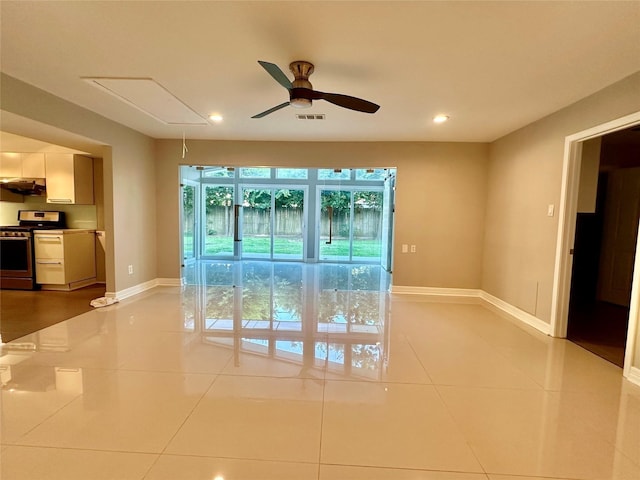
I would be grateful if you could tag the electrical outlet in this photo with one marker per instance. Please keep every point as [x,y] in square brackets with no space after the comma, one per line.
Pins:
[413,249]
[130,269]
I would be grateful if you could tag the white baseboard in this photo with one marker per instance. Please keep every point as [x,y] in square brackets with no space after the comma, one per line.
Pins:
[435,291]
[517,313]
[143,287]
[634,375]
[507,308]
[136,289]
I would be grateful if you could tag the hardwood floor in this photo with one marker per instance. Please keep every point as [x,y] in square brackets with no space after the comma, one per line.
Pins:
[26,311]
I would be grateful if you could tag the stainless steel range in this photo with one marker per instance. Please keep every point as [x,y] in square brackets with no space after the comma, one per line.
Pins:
[17,256]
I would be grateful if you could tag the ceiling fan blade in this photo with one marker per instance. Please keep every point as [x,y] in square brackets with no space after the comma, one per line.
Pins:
[271,110]
[278,75]
[346,101]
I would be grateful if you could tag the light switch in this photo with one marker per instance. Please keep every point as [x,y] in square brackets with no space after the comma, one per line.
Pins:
[405,248]
[550,210]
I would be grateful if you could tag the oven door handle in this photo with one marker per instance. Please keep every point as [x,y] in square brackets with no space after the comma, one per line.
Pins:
[15,238]
[41,262]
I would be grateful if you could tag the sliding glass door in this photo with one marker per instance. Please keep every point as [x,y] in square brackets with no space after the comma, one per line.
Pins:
[263,213]
[189,222]
[350,224]
[388,201]
[218,231]
[256,229]
[335,225]
[272,224]
[367,226]
[288,223]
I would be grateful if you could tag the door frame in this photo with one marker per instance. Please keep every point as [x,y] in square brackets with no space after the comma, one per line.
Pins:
[273,187]
[351,189]
[196,219]
[566,236]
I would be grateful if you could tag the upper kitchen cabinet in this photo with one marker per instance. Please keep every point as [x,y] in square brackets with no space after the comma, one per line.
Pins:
[33,165]
[69,178]
[10,165]
[22,165]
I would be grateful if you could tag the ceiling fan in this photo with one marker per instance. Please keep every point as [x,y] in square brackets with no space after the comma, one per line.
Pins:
[301,92]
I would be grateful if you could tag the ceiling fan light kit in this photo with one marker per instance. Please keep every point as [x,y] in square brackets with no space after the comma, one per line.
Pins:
[301,93]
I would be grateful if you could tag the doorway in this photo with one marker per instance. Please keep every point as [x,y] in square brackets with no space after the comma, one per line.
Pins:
[606,235]
[273,223]
[190,191]
[350,227]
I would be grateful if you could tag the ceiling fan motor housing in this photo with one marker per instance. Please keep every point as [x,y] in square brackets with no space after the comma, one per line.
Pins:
[301,71]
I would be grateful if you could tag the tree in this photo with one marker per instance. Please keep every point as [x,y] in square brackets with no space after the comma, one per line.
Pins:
[286,198]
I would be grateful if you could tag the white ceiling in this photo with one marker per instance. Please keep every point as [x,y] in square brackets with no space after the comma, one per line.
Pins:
[10,142]
[492,66]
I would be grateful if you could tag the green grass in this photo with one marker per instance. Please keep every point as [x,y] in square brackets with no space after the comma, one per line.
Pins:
[287,246]
[361,248]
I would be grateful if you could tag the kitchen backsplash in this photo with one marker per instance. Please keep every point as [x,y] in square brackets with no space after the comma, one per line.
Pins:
[78,216]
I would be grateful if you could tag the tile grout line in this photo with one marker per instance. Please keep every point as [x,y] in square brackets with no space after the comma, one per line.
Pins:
[459,428]
[73,400]
[324,390]
[418,358]
[188,416]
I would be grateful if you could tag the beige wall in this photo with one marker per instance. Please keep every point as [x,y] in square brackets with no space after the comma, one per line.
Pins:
[77,216]
[524,177]
[440,198]
[477,212]
[128,211]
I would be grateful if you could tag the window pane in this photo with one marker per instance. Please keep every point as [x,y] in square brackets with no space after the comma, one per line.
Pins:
[218,172]
[370,174]
[218,231]
[291,173]
[330,174]
[255,172]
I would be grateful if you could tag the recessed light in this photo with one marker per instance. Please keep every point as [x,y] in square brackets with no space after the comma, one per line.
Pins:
[440,118]
[214,117]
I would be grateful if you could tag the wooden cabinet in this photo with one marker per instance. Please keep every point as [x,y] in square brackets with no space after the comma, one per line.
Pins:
[22,165]
[69,178]
[10,165]
[65,259]
[33,165]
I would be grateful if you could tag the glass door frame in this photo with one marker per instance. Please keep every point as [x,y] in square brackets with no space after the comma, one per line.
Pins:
[314,182]
[196,253]
[273,188]
[388,222]
[351,189]
[332,187]
[233,255]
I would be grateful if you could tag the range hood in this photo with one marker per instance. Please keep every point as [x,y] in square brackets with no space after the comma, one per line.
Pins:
[24,186]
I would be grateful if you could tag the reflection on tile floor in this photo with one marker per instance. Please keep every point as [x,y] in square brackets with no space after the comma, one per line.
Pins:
[258,370]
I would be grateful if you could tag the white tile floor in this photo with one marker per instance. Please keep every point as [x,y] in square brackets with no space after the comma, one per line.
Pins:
[284,371]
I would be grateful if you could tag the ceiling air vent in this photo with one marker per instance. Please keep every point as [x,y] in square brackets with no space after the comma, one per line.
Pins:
[310,116]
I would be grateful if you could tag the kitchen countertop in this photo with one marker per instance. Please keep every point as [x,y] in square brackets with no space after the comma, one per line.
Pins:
[64,231]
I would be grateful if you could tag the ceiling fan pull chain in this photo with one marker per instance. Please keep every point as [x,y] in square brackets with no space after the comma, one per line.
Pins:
[185,150]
